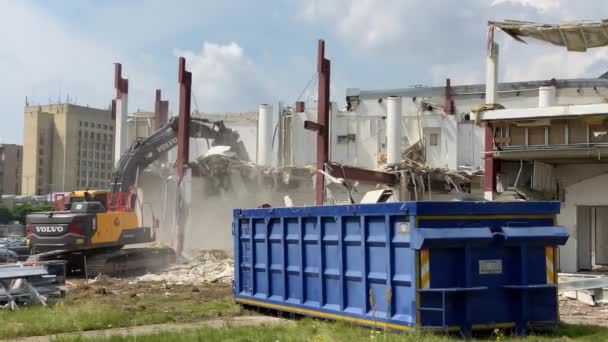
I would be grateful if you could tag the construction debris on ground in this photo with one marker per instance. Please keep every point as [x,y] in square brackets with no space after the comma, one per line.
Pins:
[39,284]
[203,267]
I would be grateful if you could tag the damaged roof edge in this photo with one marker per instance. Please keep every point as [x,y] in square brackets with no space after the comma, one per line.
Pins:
[474,89]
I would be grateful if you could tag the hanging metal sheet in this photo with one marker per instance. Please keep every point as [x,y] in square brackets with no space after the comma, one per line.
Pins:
[575,36]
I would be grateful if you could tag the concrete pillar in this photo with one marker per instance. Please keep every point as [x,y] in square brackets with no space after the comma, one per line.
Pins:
[547,96]
[492,74]
[265,135]
[393,130]
[489,178]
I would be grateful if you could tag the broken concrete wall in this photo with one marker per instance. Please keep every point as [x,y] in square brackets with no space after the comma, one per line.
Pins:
[426,113]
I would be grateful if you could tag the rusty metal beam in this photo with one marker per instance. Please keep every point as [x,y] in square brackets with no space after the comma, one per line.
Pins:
[183,122]
[490,165]
[448,107]
[161,110]
[120,84]
[362,175]
[183,151]
[324,70]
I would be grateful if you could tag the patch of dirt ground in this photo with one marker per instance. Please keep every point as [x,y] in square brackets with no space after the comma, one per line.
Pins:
[575,312]
[115,290]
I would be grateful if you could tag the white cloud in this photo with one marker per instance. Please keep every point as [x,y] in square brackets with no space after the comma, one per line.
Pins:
[541,5]
[224,78]
[368,23]
[41,63]
[44,59]
[448,38]
[555,63]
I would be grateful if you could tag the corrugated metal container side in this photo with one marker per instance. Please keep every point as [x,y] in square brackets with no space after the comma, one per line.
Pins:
[434,265]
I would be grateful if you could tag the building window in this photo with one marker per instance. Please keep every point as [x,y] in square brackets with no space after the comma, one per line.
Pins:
[98,125]
[434,139]
[92,136]
[97,146]
[98,136]
[96,155]
[86,124]
[40,152]
[90,154]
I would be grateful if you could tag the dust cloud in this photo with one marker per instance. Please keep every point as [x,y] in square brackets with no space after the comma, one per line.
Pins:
[209,223]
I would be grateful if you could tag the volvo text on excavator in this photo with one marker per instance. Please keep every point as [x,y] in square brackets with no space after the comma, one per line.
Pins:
[91,228]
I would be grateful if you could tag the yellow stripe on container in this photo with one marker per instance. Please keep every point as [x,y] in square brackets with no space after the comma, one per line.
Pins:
[550,264]
[425,275]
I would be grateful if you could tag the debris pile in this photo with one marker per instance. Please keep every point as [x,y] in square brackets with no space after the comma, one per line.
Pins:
[204,267]
[576,312]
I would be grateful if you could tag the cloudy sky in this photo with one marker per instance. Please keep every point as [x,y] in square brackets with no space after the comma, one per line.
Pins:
[243,53]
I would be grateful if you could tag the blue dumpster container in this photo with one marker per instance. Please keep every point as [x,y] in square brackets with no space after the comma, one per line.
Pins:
[433,265]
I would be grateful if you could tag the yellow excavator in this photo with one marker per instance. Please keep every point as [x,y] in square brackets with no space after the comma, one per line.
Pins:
[90,227]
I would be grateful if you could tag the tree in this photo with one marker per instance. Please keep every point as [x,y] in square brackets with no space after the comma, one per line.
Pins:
[5,215]
[20,212]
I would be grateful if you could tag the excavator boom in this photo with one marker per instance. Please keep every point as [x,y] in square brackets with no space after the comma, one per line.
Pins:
[144,152]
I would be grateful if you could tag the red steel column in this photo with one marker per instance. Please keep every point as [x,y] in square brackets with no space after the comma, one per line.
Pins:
[161,111]
[489,175]
[183,122]
[183,149]
[120,112]
[324,69]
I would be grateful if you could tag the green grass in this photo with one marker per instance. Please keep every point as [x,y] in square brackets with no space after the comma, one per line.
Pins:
[103,306]
[71,317]
[321,331]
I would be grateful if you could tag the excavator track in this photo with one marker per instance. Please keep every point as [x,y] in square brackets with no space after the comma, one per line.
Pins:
[112,262]
[129,261]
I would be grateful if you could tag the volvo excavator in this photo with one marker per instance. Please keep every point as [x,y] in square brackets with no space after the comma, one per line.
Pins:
[91,228]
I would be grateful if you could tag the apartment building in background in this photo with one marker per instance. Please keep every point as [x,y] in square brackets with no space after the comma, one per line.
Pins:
[66,147]
[10,169]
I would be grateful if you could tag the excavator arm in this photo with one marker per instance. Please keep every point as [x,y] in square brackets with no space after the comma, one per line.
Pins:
[144,152]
